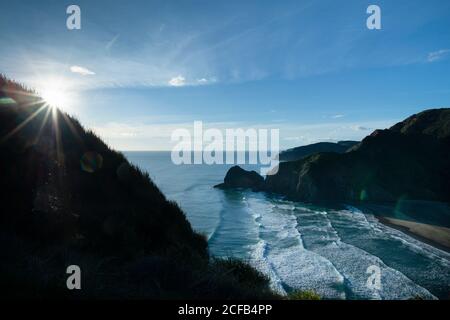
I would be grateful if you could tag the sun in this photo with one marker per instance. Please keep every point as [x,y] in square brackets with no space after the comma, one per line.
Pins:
[55,95]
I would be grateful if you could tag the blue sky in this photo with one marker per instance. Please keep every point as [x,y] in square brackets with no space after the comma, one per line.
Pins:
[137,70]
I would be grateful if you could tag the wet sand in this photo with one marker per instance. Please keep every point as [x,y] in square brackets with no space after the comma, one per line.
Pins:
[438,237]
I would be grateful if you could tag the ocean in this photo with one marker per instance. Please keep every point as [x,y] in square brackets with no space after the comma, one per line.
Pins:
[338,254]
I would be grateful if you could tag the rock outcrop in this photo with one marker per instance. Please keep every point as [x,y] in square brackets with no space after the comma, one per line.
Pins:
[237,177]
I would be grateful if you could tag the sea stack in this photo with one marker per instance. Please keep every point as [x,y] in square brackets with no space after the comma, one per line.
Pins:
[237,177]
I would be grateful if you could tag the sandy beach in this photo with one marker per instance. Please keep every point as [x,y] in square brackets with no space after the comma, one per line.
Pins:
[433,235]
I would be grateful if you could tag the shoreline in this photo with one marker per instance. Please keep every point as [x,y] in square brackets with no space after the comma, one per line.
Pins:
[438,237]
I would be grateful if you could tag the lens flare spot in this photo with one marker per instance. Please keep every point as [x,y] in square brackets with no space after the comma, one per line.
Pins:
[363,196]
[91,162]
[7,101]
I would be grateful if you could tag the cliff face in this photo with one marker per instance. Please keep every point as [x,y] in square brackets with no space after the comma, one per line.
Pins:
[411,159]
[67,198]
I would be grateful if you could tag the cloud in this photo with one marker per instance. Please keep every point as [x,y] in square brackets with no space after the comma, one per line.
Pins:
[178,81]
[437,55]
[81,70]
[202,81]
[112,42]
[232,45]
[337,116]
[360,128]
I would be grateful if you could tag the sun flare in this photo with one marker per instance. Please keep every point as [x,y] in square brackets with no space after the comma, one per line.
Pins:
[55,96]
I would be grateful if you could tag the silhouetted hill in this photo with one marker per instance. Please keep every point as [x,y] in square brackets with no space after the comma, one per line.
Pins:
[298,153]
[411,160]
[434,122]
[67,198]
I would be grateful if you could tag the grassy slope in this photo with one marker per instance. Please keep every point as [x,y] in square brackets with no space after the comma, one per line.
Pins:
[67,198]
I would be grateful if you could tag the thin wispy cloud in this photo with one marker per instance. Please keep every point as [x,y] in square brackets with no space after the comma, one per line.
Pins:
[112,42]
[337,116]
[82,70]
[438,55]
[273,42]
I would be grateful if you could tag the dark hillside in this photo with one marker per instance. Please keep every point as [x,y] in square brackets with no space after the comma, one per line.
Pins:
[67,198]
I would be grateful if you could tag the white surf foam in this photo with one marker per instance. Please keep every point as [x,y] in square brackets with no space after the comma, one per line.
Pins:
[285,258]
[353,262]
